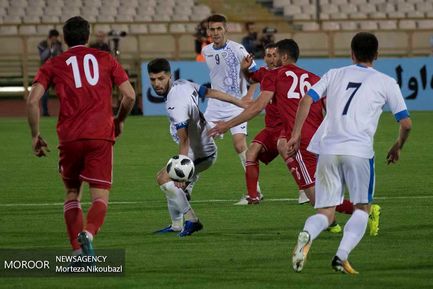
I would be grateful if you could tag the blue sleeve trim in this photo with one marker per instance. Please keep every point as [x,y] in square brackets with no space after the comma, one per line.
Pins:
[314,95]
[401,115]
[253,69]
[202,91]
[181,125]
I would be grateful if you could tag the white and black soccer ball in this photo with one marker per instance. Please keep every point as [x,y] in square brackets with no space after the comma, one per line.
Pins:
[180,168]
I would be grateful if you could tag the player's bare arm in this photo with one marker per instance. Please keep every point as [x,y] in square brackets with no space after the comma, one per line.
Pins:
[301,115]
[216,94]
[40,147]
[251,111]
[126,105]
[250,92]
[245,65]
[394,152]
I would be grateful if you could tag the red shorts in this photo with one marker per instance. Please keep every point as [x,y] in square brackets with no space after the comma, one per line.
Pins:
[90,161]
[303,168]
[268,138]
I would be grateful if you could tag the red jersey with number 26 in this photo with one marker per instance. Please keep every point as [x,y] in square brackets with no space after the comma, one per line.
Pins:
[83,79]
[289,84]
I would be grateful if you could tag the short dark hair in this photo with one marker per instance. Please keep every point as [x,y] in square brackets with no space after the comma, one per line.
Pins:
[364,46]
[270,45]
[158,65]
[76,31]
[53,33]
[217,18]
[289,47]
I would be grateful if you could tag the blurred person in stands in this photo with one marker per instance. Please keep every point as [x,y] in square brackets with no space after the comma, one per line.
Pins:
[268,37]
[201,39]
[101,42]
[251,41]
[47,49]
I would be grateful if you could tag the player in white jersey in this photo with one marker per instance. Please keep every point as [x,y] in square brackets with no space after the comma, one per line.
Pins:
[223,58]
[355,95]
[189,129]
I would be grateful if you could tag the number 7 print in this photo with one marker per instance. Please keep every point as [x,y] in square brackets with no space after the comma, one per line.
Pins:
[356,86]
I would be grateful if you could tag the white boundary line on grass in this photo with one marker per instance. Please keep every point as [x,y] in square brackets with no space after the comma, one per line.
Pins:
[201,201]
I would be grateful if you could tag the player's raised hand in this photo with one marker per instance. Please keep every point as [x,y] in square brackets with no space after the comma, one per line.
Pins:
[180,185]
[293,145]
[40,147]
[393,154]
[219,129]
[247,61]
[118,127]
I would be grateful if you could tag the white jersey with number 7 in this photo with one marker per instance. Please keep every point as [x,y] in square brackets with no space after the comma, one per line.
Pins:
[355,96]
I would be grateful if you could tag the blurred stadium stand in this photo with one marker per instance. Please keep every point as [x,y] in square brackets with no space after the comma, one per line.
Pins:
[165,28]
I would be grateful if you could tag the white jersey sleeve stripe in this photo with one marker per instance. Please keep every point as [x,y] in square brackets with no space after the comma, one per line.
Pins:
[401,115]
[314,95]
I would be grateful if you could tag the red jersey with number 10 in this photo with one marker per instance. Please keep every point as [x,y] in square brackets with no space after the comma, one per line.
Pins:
[83,79]
[289,84]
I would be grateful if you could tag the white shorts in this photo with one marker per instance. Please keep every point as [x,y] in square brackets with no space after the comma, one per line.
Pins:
[202,164]
[212,118]
[335,172]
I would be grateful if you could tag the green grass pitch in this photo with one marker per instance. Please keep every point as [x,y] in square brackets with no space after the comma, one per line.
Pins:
[240,247]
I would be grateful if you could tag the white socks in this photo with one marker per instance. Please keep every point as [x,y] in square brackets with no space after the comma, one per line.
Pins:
[243,157]
[315,224]
[353,232]
[177,203]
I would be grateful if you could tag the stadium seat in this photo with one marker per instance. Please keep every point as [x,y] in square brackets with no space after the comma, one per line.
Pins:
[11,19]
[8,30]
[387,25]
[31,19]
[180,17]
[338,16]
[44,29]
[157,28]
[19,3]
[368,25]
[34,11]
[358,15]
[143,18]
[50,19]
[124,18]
[280,3]
[377,15]
[102,27]
[177,28]
[27,30]
[120,27]
[138,28]
[16,11]
[349,25]
[310,26]
[425,24]
[348,8]
[105,18]
[407,24]
[415,14]
[330,26]
[52,11]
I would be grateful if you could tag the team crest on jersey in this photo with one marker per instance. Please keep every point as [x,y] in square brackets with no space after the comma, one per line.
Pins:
[224,54]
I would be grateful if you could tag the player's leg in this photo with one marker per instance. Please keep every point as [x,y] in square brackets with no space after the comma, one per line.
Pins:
[359,178]
[281,146]
[178,204]
[70,164]
[239,139]
[252,170]
[97,171]
[329,193]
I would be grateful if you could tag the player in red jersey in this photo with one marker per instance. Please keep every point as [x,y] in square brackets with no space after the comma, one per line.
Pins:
[83,78]
[285,86]
[264,146]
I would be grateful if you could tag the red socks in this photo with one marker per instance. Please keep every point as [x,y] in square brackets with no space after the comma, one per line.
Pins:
[346,207]
[96,216]
[74,221]
[252,177]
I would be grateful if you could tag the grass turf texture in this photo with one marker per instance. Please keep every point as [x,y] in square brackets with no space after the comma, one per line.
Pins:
[240,247]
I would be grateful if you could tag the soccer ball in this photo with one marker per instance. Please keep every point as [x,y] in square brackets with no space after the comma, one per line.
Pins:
[180,168]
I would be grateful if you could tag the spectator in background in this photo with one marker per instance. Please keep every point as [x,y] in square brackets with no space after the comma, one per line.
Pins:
[101,42]
[268,37]
[251,42]
[201,39]
[48,49]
